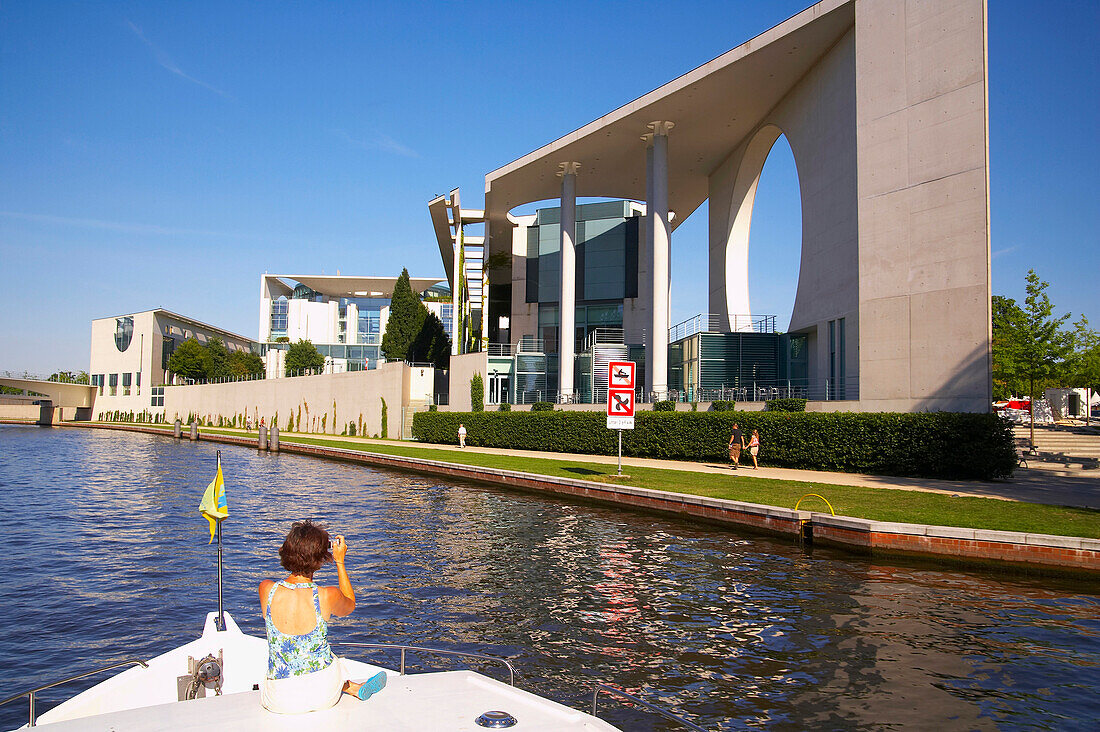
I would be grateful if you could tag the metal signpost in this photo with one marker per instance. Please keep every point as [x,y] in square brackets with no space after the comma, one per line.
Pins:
[620,400]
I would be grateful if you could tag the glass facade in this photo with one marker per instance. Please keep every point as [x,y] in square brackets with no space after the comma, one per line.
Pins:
[124,332]
[278,318]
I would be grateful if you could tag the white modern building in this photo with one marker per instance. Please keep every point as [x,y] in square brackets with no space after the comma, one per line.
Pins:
[343,316]
[129,356]
[885,106]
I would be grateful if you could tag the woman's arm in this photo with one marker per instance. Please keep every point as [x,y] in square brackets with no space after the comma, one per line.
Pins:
[265,587]
[341,600]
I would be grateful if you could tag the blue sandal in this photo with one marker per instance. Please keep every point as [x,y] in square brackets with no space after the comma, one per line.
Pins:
[372,686]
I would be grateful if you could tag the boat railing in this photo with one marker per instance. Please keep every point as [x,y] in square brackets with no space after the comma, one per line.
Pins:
[439,651]
[35,690]
[611,690]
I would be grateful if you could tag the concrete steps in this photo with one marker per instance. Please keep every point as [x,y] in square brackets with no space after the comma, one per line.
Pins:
[1072,448]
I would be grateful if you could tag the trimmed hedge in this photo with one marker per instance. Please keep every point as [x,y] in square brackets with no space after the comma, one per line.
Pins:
[785,405]
[542,407]
[722,405]
[666,406]
[933,444]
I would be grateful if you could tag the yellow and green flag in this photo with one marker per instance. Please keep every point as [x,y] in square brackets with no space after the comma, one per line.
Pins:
[214,506]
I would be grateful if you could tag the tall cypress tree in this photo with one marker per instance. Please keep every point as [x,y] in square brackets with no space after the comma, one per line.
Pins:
[405,322]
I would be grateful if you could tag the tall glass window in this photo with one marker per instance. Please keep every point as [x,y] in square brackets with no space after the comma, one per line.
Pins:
[279,309]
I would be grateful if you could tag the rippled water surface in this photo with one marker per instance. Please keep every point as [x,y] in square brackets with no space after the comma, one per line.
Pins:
[108,557]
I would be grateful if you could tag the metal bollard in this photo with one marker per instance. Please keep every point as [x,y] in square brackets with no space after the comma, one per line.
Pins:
[263,437]
[273,443]
[178,431]
[194,430]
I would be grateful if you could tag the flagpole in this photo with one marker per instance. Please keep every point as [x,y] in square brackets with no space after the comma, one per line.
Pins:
[221,612]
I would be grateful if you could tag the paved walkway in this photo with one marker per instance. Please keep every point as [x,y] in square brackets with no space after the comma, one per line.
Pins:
[1035,484]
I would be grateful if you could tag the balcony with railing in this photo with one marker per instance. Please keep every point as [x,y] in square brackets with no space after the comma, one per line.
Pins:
[711,323]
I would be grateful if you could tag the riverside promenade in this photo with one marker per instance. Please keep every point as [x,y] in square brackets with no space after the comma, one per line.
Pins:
[1034,484]
[963,527]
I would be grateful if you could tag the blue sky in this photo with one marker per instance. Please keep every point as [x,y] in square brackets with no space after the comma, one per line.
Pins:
[165,155]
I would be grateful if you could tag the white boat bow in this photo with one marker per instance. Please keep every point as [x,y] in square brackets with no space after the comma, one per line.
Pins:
[149,697]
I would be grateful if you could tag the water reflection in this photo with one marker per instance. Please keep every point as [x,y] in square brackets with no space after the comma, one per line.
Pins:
[732,630]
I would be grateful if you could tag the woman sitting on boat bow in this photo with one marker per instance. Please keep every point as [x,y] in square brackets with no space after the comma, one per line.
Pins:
[303,675]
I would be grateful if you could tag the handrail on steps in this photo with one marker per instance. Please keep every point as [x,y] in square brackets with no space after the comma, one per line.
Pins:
[441,651]
[651,707]
[32,692]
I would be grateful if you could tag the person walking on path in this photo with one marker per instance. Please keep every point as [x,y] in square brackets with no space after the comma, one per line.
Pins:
[461,435]
[754,449]
[737,441]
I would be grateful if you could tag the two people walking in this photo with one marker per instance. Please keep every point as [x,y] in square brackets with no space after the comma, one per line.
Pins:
[738,443]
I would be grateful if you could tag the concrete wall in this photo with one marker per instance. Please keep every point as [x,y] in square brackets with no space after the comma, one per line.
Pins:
[818,117]
[339,398]
[922,151]
[20,411]
[462,369]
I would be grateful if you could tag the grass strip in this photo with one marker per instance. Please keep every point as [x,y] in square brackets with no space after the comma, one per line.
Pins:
[878,504]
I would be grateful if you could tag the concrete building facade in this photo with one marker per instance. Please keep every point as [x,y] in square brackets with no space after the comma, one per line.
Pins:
[343,316]
[884,104]
[128,363]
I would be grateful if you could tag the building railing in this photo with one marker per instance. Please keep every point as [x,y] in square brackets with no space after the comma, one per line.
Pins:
[750,391]
[712,323]
[600,336]
[526,345]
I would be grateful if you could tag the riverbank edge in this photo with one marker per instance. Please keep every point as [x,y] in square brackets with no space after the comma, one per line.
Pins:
[1015,551]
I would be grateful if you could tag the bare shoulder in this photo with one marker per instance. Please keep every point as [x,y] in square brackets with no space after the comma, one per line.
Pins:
[265,587]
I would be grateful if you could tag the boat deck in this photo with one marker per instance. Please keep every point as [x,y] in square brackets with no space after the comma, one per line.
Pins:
[436,701]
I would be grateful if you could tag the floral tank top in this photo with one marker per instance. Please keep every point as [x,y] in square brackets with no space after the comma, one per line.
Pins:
[295,655]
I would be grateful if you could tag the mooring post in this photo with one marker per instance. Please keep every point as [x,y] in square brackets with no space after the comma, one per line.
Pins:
[263,437]
[178,431]
[273,442]
[194,430]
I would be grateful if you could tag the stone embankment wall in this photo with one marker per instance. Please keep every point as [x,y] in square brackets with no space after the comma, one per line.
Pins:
[325,403]
[1032,552]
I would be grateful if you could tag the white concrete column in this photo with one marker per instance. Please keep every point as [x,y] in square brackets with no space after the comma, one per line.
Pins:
[660,243]
[456,302]
[567,307]
[646,288]
[351,324]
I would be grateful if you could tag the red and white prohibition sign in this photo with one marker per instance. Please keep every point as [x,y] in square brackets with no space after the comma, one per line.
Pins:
[620,395]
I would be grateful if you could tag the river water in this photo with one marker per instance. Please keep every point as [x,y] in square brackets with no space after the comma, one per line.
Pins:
[109,557]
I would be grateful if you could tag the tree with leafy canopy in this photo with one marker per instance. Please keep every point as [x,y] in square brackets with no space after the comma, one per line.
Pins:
[404,324]
[303,356]
[413,333]
[245,363]
[219,359]
[1082,368]
[190,360]
[1007,319]
[1039,346]
[68,377]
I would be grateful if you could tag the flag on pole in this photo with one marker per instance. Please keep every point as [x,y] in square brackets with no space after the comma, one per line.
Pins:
[214,507]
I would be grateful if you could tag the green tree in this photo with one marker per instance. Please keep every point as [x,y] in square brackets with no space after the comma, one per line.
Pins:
[1083,366]
[432,343]
[190,360]
[303,356]
[245,363]
[1008,317]
[68,377]
[219,359]
[1039,345]
[407,315]
[477,394]
[413,333]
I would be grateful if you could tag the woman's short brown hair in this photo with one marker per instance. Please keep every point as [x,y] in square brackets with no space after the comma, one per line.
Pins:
[306,549]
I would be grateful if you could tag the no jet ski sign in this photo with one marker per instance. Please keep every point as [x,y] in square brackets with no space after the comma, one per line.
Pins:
[620,395]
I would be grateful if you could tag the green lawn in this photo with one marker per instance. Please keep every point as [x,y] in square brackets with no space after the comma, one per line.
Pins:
[861,502]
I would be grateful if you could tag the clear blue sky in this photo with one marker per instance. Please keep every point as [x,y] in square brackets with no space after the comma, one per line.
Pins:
[165,155]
